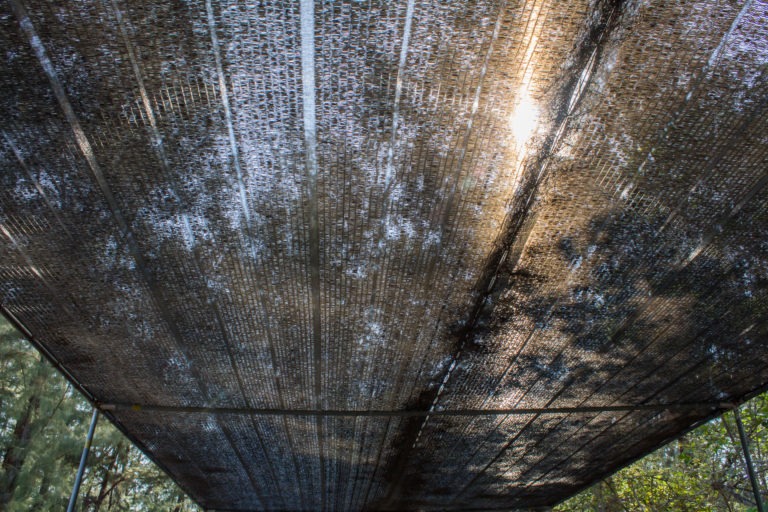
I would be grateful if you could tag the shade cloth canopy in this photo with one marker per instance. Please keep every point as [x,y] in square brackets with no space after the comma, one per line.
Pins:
[390,255]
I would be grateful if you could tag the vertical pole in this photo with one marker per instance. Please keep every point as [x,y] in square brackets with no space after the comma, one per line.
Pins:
[748,459]
[83,457]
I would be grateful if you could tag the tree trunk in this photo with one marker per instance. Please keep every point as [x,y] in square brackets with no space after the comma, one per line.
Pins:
[16,452]
[104,488]
[179,502]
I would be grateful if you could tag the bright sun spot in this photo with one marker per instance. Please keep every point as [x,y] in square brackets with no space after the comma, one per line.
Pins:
[524,120]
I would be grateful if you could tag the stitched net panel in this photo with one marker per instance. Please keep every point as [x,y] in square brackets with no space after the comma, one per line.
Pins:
[179,231]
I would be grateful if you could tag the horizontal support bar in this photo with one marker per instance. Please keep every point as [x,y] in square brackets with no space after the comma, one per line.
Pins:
[406,413]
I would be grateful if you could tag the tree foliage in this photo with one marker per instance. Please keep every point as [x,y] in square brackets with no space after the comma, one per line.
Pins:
[43,425]
[701,471]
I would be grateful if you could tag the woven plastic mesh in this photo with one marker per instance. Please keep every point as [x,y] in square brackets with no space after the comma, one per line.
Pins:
[178,230]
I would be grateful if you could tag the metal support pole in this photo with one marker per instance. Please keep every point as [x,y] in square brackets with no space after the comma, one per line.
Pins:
[748,459]
[83,458]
